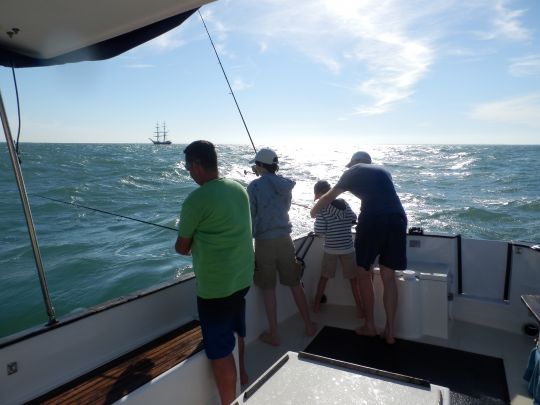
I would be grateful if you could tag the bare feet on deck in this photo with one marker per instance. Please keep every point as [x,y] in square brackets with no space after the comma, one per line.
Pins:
[389,338]
[311,329]
[244,380]
[366,331]
[269,339]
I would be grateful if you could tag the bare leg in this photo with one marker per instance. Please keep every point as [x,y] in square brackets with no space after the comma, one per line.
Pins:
[301,303]
[320,292]
[355,288]
[390,301]
[368,298]
[225,376]
[244,378]
[271,337]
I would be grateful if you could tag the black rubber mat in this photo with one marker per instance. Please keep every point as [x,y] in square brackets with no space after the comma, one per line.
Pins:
[472,378]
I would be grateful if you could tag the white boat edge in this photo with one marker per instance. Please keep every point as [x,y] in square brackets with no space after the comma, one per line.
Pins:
[48,357]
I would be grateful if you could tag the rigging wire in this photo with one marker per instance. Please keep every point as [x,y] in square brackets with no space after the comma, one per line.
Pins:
[103,211]
[18,112]
[227,79]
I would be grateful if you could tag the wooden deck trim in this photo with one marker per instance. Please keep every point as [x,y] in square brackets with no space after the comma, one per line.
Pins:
[119,377]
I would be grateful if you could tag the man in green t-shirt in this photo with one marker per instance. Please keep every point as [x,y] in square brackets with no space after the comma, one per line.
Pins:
[215,228]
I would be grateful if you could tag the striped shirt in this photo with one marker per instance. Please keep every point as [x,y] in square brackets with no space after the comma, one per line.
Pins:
[335,222]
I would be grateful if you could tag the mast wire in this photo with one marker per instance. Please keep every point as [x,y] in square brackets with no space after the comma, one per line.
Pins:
[103,211]
[18,112]
[227,79]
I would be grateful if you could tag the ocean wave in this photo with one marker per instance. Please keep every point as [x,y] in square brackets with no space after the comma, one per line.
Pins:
[470,213]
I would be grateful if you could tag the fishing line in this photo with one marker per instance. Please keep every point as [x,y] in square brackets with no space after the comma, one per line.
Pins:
[103,211]
[227,79]
[232,93]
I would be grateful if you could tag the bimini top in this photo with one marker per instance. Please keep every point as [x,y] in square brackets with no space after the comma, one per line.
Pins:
[43,33]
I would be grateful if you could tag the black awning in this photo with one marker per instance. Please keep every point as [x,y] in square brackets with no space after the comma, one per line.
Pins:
[102,50]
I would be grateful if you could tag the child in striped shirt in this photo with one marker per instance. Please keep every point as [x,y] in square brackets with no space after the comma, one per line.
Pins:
[335,222]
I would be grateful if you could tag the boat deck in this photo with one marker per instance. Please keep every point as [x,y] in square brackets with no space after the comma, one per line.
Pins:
[112,381]
[513,348]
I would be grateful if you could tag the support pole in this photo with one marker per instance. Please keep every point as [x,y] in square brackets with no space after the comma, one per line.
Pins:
[27,213]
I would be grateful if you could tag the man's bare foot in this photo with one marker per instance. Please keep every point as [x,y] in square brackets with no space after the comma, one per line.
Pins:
[244,379]
[311,329]
[389,338]
[269,339]
[366,331]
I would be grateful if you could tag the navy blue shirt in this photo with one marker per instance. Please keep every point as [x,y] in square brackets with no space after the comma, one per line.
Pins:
[374,186]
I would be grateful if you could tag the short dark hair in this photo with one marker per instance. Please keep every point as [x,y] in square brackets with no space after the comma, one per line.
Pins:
[321,187]
[270,168]
[203,153]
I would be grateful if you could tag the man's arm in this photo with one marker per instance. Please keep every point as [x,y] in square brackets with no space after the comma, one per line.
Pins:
[183,246]
[325,200]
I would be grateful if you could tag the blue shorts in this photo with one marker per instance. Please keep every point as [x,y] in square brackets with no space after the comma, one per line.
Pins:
[220,318]
[383,235]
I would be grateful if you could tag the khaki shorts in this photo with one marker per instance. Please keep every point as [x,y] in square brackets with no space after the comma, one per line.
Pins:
[273,256]
[348,265]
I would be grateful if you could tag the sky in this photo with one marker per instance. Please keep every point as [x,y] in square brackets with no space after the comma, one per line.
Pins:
[305,71]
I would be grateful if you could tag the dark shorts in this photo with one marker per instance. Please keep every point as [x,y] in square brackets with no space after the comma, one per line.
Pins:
[220,318]
[383,235]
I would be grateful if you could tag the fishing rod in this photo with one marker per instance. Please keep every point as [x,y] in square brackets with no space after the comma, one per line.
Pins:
[227,80]
[234,97]
[104,212]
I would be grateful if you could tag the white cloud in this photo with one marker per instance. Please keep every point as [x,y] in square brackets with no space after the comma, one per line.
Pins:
[168,41]
[524,110]
[506,23]
[361,35]
[263,47]
[239,85]
[140,66]
[525,66]
[391,45]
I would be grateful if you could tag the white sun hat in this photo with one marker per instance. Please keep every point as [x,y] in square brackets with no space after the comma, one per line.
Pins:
[266,156]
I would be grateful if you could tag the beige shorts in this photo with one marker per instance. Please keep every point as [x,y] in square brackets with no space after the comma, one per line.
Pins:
[348,265]
[276,256]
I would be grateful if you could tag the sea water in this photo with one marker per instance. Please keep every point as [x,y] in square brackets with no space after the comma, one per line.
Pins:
[486,192]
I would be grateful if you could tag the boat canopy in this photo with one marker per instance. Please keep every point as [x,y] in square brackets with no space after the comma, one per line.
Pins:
[43,33]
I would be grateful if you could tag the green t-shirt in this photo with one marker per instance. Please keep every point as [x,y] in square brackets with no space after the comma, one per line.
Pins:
[216,216]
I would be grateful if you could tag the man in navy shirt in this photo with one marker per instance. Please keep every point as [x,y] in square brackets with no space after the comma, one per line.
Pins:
[381,231]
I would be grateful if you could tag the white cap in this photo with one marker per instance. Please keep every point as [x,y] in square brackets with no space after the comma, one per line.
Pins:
[359,157]
[266,156]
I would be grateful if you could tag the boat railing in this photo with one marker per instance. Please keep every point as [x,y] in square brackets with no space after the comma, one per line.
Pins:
[27,213]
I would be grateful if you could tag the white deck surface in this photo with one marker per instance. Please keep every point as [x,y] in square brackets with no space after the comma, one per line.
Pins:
[301,381]
[512,348]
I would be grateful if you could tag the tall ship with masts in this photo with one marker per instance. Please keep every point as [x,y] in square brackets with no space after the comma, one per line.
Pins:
[161,136]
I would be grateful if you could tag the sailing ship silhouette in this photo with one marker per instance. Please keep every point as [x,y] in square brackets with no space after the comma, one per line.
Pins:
[161,136]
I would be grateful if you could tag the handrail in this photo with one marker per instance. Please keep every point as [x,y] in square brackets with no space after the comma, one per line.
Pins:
[27,213]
